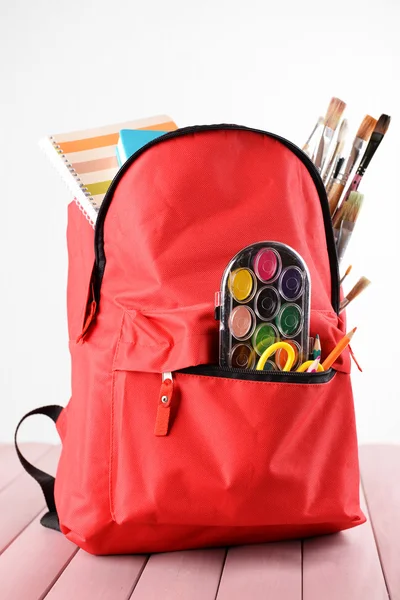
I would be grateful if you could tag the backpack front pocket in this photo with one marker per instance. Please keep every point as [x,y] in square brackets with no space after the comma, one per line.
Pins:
[238,453]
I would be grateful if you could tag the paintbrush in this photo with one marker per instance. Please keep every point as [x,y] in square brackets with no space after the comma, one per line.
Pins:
[347,211]
[309,146]
[340,141]
[335,173]
[345,232]
[339,183]
[360,286]
[377,136]
[344,222]
[349,268]
[354,199]
[331,121]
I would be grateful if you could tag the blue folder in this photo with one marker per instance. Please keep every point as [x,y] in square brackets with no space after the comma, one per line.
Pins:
[131,140]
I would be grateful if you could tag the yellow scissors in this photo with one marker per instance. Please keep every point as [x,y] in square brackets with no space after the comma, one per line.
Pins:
[289,361]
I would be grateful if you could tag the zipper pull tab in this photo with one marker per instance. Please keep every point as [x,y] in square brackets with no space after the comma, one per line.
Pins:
[354,358]
[164,405]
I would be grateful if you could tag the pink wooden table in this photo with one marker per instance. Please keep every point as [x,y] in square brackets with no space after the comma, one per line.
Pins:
[360,564]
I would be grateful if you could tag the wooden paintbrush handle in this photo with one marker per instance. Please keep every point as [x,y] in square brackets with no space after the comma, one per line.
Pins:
[337,217]
[334,196]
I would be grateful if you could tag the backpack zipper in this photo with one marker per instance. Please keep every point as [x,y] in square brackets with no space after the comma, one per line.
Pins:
[264,376]
[100,258]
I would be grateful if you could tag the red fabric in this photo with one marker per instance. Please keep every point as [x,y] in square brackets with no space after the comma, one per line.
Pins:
[80,265]
[242,461]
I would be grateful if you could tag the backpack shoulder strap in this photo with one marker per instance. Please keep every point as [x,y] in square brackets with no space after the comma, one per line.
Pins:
[46,481]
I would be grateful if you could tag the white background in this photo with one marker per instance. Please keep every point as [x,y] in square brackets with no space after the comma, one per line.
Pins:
[272,65]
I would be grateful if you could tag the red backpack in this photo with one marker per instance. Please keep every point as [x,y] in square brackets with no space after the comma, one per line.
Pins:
[162,448]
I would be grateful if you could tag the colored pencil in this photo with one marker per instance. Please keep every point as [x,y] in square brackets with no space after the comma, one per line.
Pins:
[313,368]
[337,351]
[317,347]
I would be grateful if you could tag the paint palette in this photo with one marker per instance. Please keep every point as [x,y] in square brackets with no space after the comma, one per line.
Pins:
[264,298]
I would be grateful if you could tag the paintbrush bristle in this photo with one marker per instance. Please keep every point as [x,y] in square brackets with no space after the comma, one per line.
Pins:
[359,287]
[352,206]
[352,213]
[382,125]
[334,112]
[344,127]
[347,213]
[355,198]
[366,128]
[348,271]
[348,210]
[349,268]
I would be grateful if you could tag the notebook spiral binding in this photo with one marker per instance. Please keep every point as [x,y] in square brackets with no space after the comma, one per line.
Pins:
[85,214]
[81,188]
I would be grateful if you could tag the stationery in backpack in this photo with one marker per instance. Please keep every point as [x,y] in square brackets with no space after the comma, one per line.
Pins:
[87,162]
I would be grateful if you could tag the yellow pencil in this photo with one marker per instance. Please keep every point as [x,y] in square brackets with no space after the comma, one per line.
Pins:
[337,351]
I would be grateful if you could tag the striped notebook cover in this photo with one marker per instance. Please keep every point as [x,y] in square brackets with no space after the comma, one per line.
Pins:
[87,162]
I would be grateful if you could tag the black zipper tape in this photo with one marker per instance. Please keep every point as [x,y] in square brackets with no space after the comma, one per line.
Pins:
[263,376]
[100,258]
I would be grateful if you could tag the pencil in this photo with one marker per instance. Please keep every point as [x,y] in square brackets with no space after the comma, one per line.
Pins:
[337,351]
[313,368]
[317,348]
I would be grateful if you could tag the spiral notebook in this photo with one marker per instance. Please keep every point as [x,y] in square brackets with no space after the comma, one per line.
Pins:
[87,162]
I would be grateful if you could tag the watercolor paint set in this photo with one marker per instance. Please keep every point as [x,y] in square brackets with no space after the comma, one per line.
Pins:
[264,299]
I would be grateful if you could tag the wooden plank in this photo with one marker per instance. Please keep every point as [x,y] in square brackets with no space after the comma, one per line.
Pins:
[10,467]
[33,562]
[380,469]
[188,575]
[262,571]
[98,577]
[343,565]
[23,499]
